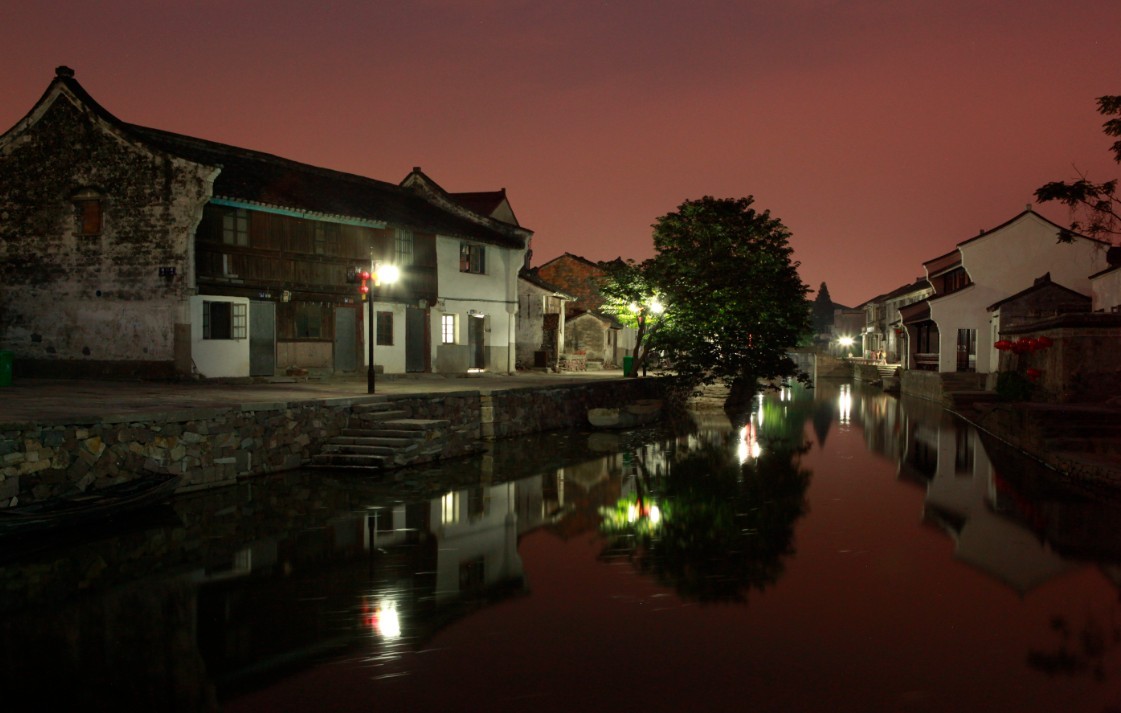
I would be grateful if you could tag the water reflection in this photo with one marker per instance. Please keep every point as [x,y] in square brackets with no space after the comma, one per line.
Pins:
[241,589]
[716,518]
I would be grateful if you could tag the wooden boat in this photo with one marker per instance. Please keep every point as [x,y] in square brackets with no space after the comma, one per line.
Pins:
[95,506]
[639,413]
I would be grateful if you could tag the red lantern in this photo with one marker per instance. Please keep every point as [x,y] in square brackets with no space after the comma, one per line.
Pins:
[1033,374]
[1044,342]
[1002,345]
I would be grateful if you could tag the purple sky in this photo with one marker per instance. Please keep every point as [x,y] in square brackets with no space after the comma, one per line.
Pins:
[881,132]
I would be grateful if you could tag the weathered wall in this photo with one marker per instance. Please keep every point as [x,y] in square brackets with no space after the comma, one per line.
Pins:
[924,384]
[213,447]
[76,304]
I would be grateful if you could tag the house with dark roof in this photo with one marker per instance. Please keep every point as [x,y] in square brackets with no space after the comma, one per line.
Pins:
[541,322]
[952,330]
[127,250]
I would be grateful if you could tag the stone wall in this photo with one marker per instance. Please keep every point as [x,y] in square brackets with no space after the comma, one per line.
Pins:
[214,447]
[97,297]
[924,384]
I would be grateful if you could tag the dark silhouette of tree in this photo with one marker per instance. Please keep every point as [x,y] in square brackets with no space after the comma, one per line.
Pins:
[822,310]
[1095,207]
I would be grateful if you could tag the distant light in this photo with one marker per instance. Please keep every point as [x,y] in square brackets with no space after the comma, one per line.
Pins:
[845,341]
[655,515]
[657,307]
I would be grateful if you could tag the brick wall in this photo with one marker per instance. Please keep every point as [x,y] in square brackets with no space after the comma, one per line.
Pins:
[93,304]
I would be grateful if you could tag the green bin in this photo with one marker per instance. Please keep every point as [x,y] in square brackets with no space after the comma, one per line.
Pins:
[6,360]
[628,364]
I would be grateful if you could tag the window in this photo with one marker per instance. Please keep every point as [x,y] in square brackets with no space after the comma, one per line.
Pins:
[235,227]
[472,259]
[447,329]
[955,280]
[88,204]
[385,329]
[403,241]
[310,319]
[224,320]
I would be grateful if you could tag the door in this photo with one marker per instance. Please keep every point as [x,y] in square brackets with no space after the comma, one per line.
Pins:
[346,342]
[967,350]
[416,340]
[476,336]
[262,339]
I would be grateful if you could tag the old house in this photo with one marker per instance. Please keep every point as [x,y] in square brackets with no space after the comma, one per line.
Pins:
[951,330]
[597,336]
[541,322]
[131,250]
[883,326]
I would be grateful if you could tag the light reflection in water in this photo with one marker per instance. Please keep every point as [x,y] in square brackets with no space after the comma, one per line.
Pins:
[844,403]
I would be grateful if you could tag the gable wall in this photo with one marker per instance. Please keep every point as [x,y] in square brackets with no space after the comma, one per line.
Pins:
[577,278]
[71,304]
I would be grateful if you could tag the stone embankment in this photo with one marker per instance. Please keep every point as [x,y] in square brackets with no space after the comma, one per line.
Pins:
[215,446]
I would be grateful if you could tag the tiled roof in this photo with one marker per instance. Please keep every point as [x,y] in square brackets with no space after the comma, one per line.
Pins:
[260,178]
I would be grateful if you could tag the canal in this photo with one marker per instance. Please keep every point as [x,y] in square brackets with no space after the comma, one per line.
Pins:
[836,549]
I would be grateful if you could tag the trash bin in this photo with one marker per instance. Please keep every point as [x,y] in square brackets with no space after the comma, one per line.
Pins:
[6,360]
[628,364]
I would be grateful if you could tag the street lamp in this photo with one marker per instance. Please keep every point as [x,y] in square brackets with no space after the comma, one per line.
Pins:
[383,274]
[846,343]
[652,306]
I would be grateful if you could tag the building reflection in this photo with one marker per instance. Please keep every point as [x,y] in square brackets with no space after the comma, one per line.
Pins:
[1006,514]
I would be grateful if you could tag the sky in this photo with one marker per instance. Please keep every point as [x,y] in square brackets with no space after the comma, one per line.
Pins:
[880,132]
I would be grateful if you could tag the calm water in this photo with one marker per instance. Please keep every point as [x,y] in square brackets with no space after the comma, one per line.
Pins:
[841,550]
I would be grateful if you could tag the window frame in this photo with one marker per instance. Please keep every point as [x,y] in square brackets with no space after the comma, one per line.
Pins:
[383,328]
[232,326]
[447,329]
[472,258]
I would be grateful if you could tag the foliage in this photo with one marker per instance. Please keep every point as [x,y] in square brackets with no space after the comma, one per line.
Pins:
[1095,207]
[735,303]
[723,528]
[628,294]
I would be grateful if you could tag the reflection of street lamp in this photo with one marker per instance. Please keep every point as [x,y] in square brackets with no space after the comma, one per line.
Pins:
[383,274]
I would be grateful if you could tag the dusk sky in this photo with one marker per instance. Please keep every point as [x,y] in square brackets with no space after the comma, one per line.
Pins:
[881,132]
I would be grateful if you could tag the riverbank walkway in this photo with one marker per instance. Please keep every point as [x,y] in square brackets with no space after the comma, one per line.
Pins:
[62,400]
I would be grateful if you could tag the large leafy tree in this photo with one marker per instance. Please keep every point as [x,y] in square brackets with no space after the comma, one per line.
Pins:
[629,294]
[734,301]
[1095,207]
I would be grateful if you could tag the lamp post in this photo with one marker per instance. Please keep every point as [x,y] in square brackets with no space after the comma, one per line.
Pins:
[386,274]
[653,306]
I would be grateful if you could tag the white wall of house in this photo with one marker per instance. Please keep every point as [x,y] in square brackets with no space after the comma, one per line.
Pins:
[1000,264]
[390,357]
[492,296]
[1105,289]
[218,358]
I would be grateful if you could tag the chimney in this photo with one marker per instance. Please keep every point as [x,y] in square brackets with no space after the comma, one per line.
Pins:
[63,72]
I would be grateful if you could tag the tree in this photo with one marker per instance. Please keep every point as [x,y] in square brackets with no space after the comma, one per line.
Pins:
[629,295]
[734,301]
[1095,207]
[822,310]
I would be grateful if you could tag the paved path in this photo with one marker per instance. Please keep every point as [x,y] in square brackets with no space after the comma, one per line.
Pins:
[57,400]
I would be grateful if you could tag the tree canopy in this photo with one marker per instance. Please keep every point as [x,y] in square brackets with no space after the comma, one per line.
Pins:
[1095,207]
[734,303]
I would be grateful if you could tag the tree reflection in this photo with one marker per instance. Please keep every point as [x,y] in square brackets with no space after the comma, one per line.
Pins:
[714,527]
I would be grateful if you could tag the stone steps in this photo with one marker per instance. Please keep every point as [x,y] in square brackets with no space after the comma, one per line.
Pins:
[379,437]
